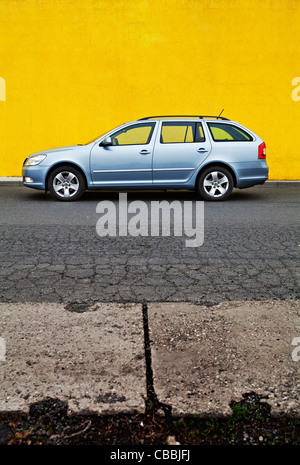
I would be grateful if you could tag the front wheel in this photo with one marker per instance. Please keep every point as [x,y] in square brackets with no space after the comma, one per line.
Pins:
[66,183]
[215,183]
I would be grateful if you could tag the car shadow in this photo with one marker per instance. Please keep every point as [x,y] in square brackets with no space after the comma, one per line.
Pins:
[159,195]
[250,194]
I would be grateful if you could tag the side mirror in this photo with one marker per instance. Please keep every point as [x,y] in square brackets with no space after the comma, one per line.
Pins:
[106,142]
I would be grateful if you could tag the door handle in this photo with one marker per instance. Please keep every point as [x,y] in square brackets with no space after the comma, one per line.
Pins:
[202,150]
[144,152]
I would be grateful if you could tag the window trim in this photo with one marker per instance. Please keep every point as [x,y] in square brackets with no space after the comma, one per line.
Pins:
[131,126]
[204,138]
[182,123]
[235,126]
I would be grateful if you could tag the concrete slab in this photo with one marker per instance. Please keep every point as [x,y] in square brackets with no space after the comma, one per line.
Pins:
[205,357]
[92,357]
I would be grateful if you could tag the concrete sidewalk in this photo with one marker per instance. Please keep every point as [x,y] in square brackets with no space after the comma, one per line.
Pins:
[205,357]
[202,358]
[89,356]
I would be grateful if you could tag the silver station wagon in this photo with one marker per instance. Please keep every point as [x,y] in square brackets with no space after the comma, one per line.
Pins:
[208,154]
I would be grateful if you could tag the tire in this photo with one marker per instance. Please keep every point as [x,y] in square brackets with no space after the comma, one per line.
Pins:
[215,183]
[66,183]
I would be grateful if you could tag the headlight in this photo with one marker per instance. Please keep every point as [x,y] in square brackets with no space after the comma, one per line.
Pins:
[34,160]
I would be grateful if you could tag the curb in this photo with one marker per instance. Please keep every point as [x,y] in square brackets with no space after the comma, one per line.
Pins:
[11,181]
[17,181]
[279,184]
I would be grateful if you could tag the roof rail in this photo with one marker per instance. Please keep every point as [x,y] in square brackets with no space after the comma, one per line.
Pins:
[183,116]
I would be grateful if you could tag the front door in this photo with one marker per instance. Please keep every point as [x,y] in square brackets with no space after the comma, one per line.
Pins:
[128,161]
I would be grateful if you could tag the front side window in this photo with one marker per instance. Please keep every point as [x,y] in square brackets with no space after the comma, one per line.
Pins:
[138,134]
[227,132]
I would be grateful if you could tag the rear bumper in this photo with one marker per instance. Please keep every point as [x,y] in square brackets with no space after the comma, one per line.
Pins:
[249,183]
[251,174]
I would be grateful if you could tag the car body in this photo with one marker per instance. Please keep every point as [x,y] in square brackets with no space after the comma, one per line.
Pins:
[211,155]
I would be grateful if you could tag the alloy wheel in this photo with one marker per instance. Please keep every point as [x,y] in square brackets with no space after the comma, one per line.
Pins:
[66,184]
[216,184]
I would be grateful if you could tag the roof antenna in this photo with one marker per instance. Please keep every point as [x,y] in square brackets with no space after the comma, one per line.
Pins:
[221,113]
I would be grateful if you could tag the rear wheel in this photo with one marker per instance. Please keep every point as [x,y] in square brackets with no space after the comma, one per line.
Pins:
[66,183]
[215,183]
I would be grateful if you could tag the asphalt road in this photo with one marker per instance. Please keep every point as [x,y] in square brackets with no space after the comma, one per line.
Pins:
[50,251]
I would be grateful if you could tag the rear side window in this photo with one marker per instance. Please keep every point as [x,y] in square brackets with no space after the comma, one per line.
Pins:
[228,132]
[181,132]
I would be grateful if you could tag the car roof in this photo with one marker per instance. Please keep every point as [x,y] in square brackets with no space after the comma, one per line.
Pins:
[180,117]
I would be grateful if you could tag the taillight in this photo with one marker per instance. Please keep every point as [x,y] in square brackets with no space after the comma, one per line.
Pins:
[262,150]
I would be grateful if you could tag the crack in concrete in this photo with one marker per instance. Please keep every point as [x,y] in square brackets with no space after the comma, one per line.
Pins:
[152,404]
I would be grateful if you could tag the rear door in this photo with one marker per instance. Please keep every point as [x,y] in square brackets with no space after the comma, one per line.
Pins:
[181,147]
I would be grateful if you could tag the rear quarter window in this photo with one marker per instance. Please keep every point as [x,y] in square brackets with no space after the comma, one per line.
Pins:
[222,132]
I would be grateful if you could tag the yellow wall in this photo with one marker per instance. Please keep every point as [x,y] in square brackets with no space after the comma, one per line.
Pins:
[74,69]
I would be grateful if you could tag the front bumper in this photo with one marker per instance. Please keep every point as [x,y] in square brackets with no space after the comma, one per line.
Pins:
[36,174]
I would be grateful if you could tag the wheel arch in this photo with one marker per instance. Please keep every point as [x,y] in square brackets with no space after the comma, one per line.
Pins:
[216,163]
[70,164]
